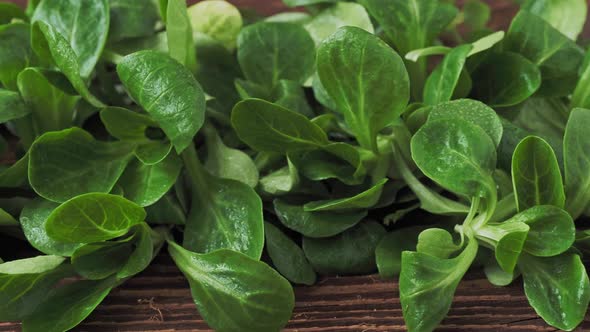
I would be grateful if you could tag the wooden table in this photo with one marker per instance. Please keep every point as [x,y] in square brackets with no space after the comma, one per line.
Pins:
[159,298]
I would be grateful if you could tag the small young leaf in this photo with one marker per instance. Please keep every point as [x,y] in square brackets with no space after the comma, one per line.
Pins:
[217,19]
[334,17]
[442,82]
[436,242]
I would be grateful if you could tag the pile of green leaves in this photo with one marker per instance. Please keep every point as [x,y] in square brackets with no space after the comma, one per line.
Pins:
[396,136]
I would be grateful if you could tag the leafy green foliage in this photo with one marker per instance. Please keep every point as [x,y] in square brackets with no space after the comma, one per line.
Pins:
[366,79]
[167,91]
[92,218]
[288,257]
[319,144]
[67,163]
[247,294]
[350,252]
[269,52]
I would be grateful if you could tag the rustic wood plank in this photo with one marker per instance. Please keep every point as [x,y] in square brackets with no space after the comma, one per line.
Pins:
[159,298]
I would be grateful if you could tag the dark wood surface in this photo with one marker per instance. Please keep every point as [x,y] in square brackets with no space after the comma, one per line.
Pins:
[159,299]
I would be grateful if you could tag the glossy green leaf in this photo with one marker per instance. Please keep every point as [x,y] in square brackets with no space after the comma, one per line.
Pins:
[558,57]
[568,17]
[457,155]
[71,162]
[25,282]
[576,148]
[536,175]
[334,17]
[315,224]
[179,34]
[146,184]
[505,79]
[363,200]
[217,19]
[15,52]
[269,52]
[287,257]
[267,127]
[93,217]
[442,82]
[227,163]
[49,43]
[427,286]
[557,288]
[84,25]
[224,214]
[472,111]
[350,252]
[12,106]
[67,306]
[366,79]
[32,220]
[234,292]
[167,91]
[97,261]
[552,230]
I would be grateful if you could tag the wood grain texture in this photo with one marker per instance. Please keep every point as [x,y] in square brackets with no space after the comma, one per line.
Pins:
[159,298]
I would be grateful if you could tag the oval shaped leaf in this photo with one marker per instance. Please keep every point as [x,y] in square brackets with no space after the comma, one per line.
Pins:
[234,292]
[268,127]
[366,79]
[167,91]
[287,257]
[457,155]
[93,217]
[536,175]
[84,23]
[269,52]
